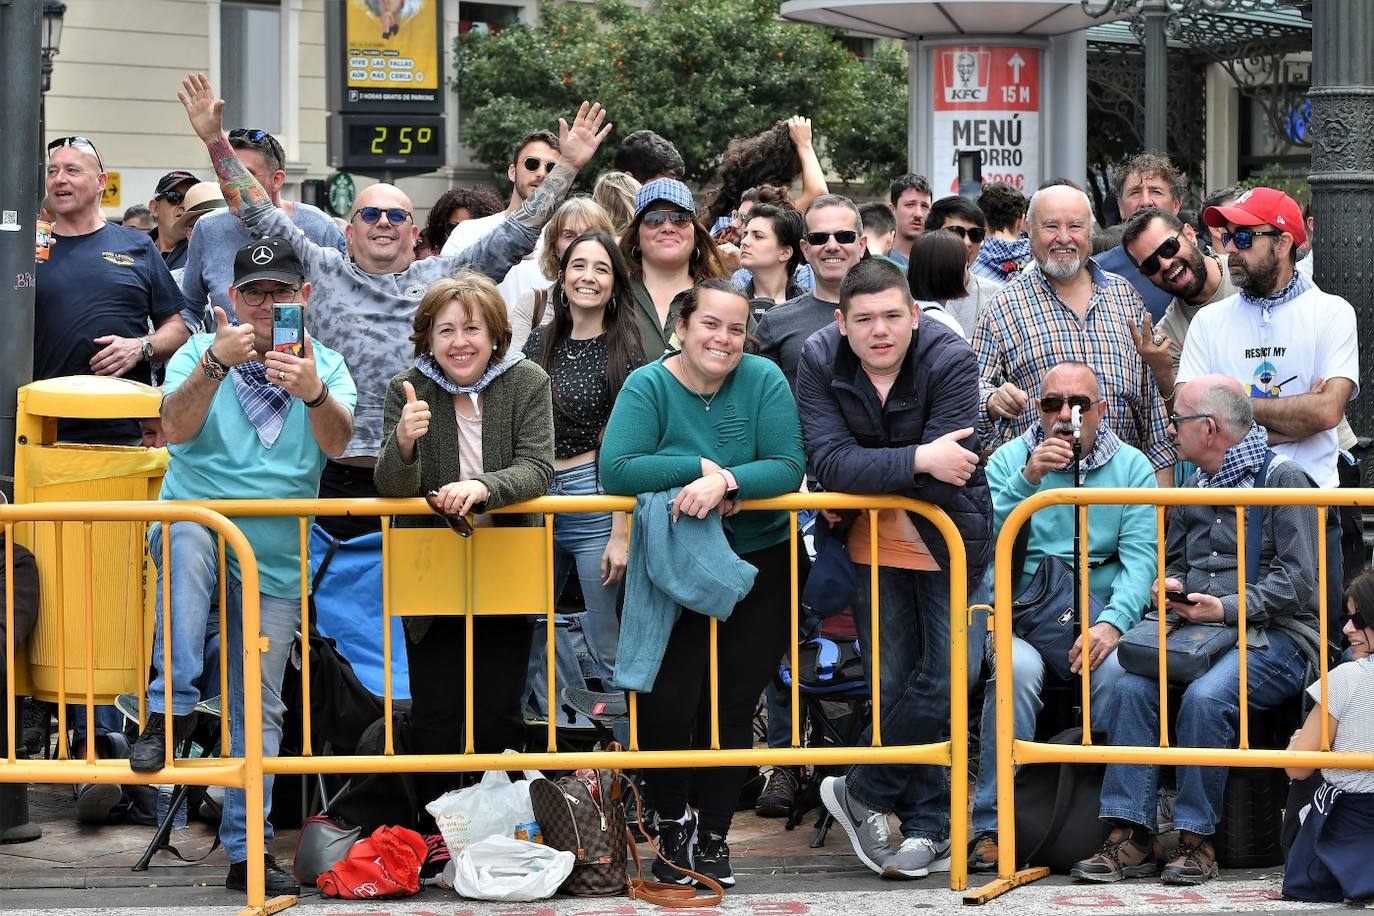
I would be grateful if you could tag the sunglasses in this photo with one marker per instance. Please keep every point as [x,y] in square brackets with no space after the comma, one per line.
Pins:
[1177,419]
[172,197]
[79,143]
[972,233]
[532,164]
[1359,621]
[1167,249]
[1244,238]
[461,526]
[254,136]
[370,215]
[843,237]
[1055,403]
[655,218]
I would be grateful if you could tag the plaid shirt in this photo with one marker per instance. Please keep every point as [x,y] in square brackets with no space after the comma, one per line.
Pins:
[1027,329]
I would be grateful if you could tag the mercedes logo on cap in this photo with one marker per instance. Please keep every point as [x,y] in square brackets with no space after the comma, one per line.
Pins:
[262,255]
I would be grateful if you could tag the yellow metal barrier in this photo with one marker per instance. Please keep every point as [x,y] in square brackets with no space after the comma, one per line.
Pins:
[1012,752]
[244,773]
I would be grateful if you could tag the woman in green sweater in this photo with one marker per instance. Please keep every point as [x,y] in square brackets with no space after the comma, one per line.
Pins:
[472,422]
[722,425]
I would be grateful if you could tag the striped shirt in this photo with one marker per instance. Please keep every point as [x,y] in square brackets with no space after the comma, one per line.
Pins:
[1027,329]
[1350,695]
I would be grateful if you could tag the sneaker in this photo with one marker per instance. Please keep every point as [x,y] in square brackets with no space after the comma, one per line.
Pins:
[984,855]
[867,829]
[675,842]
[779,795]
[149,753]
[95,800]
[1119,858]
[916,858]
[1194,861]
[277,881]
[712,858]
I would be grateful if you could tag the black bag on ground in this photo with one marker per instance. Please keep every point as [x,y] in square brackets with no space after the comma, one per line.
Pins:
[372,800]
[1056,810]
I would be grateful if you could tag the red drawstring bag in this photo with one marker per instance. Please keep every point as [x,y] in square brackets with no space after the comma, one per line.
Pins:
[386,864]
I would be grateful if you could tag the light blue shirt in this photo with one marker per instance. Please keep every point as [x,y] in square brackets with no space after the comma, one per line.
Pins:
[226,460]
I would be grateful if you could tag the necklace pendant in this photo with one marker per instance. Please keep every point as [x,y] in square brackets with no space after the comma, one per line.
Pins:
[708,408]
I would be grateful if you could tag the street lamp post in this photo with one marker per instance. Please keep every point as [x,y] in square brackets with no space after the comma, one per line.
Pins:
[53,11]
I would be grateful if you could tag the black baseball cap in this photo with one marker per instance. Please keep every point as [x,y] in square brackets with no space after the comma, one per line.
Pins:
[173,180]
[267,259]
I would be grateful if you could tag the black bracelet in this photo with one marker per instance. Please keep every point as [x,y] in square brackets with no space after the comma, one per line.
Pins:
[324,396]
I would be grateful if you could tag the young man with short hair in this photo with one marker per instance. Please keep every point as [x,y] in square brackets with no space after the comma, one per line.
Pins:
[910,197]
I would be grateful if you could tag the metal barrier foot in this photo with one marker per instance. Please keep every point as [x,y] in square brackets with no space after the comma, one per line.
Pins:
[999,886]
[275,905]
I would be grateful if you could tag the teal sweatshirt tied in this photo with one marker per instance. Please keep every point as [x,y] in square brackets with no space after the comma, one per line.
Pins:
[672,565]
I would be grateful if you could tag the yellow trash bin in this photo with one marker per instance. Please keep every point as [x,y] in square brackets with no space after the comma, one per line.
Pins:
[121,606]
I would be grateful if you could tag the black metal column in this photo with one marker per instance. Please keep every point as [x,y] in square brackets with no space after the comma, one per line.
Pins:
[1342,178]
[1155,16]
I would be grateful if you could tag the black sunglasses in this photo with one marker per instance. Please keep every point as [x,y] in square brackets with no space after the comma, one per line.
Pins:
[532,164]
[1054,403]
[461,526]
[1244,238]
[172,197]
[1177,419]
[79,143]
[844,237]
[655,218]
[254,136]
[1167,249]
[1358,620]
[370,215]
[972,233]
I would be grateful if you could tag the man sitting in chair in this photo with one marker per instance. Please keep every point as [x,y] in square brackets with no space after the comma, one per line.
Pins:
[1122,543]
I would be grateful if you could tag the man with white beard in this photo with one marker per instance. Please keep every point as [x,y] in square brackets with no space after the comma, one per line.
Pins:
[1067,308]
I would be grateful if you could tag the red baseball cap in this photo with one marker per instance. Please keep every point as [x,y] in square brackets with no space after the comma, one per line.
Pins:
[1261,205]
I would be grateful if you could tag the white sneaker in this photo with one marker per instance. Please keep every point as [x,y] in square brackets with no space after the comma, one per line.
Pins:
[867,829]
[916,858]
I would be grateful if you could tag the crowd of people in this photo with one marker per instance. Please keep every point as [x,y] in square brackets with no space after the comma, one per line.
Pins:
[965,353]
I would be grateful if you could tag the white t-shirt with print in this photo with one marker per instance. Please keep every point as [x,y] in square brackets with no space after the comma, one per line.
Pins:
[1276,352]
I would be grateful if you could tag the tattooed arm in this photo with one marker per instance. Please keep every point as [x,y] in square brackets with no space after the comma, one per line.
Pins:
[205,112]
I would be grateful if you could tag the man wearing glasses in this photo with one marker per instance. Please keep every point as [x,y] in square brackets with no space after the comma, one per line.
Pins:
[239,413]
[1121,560]
[1292,346]
[98,291]
[166,207]
[210,254]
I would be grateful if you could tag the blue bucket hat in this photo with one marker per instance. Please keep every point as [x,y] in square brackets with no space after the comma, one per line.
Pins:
[669,189]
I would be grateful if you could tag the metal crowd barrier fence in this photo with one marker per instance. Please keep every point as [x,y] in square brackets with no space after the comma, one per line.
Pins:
[1012,752]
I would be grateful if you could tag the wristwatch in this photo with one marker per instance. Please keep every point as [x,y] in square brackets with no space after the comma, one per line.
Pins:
[731,485]
[212,367]
[147,348]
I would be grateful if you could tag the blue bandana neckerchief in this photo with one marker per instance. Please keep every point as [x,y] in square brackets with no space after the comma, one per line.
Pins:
[1241,462]
[1107,445]
[265,404]
[1292,290]
[429,368]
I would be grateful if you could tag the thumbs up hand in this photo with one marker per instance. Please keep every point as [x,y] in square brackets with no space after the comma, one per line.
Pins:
[946,459]
[233,344]
[414,423]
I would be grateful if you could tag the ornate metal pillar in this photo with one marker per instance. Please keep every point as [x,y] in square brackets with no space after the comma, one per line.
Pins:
[1342,178]
[1155,19]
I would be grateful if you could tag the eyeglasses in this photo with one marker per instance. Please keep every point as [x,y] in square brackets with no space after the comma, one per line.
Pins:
[256,296]
[79,143]
[655,218]
[460,525]
[739,216]
[972,233]
[1055,403]
[259,138]
[1167,249]
[532,163]
[172,197]
[843,237]
[1177,419]
[1244,238]
[370,215]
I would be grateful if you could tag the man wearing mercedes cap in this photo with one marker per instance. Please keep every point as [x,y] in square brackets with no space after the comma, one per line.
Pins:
[241,419]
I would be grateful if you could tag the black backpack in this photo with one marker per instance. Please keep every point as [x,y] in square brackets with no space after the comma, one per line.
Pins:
[1057,804]
[372,800]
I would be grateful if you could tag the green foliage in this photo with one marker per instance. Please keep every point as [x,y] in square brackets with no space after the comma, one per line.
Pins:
[1291,180]
[699,72]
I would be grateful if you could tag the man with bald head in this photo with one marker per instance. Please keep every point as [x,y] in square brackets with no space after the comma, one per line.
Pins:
[363,307]
[1065,307]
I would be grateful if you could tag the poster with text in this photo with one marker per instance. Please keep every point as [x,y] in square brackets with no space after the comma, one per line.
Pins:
[987,98]
[392,51]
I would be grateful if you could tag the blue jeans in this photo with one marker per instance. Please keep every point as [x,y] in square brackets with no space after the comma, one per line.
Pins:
[195,579]
[1028,681]
[914,627]
[1208,717]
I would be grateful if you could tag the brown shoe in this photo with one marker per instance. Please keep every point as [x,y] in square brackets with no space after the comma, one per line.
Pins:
[1194,861]
[984,855]
[1119,858]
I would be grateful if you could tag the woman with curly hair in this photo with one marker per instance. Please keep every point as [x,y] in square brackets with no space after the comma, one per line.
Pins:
[455,206]
[775,156]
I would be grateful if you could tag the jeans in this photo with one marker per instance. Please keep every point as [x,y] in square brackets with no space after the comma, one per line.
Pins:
[195,572]
[1027,699]
[1208,717]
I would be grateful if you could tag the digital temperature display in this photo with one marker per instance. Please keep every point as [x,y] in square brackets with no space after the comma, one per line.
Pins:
[387,143]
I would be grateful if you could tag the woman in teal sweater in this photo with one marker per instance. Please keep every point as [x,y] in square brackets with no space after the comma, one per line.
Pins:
[722,425]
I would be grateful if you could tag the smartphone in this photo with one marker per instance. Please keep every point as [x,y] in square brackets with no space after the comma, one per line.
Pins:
[1180,597]
[288,329]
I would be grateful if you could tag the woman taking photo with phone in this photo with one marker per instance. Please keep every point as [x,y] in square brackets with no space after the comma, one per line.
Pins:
[472,422]
[718,425]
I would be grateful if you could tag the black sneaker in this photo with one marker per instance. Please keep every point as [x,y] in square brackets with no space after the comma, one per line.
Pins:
[713,859]
[149,753]
[277,881]
[675,842]
[779,796]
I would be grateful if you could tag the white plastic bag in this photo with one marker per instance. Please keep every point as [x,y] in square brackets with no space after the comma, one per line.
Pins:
[504,868]
[493,807]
